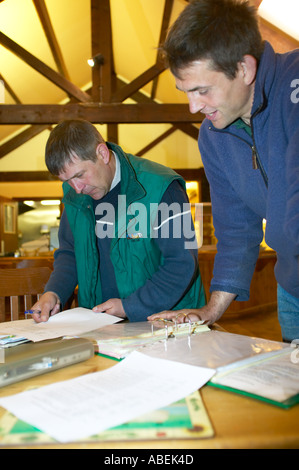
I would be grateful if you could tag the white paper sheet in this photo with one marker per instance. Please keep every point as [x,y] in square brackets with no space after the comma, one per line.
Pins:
[71,322]
[89,404]
[275,379]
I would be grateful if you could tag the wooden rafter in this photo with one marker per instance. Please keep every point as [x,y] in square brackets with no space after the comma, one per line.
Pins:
[43,69]
[103,75]
[28,133]
[157,141]
[163,33]
[10,90]
[128,90]
[30,176]
[280,41]
[101,44]
[21,138]
[35,129]
[101,114]
[104,103]
[187,128]
[45,20]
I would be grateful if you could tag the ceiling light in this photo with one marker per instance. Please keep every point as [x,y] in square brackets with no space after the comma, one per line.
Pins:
[96,60]
[29,203]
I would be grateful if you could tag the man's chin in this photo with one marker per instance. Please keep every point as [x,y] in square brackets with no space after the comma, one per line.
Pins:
[96,195]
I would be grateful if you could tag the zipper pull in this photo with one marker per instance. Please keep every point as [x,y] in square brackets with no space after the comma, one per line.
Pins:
[254,158]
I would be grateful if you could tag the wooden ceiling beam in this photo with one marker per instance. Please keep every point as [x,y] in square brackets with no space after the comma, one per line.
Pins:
[128,90]
[156,141]
[103,74]
[138,96]
[101,45]
[26,176]
[189,129]
[46,23]
[101,114]
[44,69]
[163,33]
[31,132]
[34,130]
[37,176]
[10,90]
[21,139]
[100,15]
[280,41]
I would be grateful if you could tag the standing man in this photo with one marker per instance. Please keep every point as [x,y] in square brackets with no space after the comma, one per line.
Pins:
[128,257]
[249,143]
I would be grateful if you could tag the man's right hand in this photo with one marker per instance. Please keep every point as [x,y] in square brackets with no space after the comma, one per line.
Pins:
[46,306]
[209,313]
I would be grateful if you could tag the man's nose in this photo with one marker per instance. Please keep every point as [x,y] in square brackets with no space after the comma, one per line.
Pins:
[195,104]
[77,185]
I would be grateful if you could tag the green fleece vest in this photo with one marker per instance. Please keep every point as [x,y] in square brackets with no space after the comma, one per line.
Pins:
[134,255]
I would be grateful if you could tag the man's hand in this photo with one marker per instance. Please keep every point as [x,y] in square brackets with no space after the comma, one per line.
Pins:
[47,305]
[180,316]
[112,307]
[210,313]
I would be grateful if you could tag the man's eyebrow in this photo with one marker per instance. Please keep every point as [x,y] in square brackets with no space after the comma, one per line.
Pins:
[72,177]
[197,88]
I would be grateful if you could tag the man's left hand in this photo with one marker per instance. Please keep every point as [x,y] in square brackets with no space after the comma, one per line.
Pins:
[112,307]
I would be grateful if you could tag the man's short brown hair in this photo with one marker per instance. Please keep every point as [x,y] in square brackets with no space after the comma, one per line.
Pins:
[222,31]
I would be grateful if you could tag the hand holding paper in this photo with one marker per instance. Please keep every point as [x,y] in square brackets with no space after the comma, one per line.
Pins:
[48,304]
[111,307]
[71,322]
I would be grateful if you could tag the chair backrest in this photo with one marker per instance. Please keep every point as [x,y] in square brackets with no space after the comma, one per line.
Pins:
[22,287]
[35,263]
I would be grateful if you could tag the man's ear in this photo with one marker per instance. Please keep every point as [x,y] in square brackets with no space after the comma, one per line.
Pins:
[103,152]
[248,69]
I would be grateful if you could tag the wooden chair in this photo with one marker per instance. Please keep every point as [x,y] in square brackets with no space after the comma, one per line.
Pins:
[35,263]
[21,287]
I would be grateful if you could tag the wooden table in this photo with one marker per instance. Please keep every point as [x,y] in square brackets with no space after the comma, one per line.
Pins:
[238,422]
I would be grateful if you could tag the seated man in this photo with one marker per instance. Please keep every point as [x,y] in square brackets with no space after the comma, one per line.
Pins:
[117,238]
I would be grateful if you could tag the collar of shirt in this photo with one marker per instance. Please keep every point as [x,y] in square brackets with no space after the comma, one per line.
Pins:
[240,124]
[117,174]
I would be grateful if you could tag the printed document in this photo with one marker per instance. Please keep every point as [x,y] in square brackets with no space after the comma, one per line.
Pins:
[80,407]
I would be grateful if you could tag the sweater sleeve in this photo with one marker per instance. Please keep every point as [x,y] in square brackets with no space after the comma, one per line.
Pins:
[292,167]
[169,283]
[63,279]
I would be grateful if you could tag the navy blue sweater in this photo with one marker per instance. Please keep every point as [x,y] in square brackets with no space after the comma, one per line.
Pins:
[241,196]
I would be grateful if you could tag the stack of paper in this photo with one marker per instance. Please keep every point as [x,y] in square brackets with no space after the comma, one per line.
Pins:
[8,341]
[73,322]
[78,408]
[184,419]
[256,367]
[272,377]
